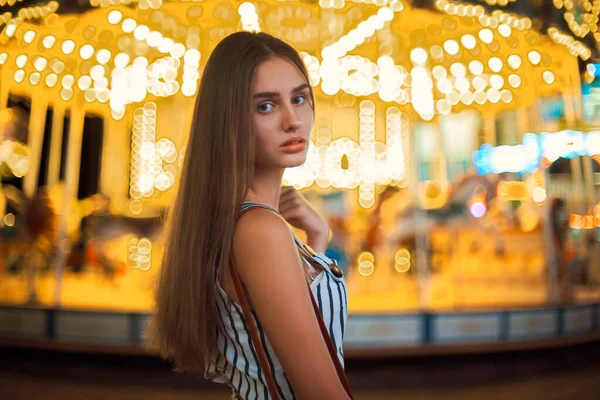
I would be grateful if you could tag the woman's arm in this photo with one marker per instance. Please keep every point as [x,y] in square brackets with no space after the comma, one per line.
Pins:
[270,266]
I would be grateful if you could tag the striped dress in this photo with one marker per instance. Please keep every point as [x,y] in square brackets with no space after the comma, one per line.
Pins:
[235,362]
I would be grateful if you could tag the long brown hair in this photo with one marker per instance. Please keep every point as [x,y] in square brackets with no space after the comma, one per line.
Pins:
[217,171]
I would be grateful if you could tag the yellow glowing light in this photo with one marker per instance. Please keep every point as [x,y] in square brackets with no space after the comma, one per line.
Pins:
[68,46]
[479,83]
[504,30]
[495,64]
[506,96]
[29,36]
[458,70]
[496,81]
[35,78]
[539,195]
[21,60]
[476,67]
[86,51]
[468,41]
[103,56]
[3,58]
[48,41]
[486,35]
[67,81]
[51,80]
[437,52]
[548,77]
[534,57]
[514,80]
[402,259]
[19,75]
[514,61]
[84,82]
[418,56]
[9,219]
[451,47]
[66,93]
[128,25]
[114,17]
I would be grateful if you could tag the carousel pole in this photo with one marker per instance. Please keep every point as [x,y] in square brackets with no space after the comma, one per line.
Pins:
[35,139]
[421,230]
[58,120]
[4,90]
[77,115]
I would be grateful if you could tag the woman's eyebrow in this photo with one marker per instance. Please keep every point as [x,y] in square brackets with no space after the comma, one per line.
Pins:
[277,94]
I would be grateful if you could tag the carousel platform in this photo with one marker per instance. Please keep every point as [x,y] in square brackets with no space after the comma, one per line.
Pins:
[367,335]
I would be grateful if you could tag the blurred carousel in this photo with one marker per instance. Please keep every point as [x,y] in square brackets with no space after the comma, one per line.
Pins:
[453,155]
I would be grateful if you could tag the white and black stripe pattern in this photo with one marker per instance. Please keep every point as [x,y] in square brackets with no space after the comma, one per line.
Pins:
[236,361]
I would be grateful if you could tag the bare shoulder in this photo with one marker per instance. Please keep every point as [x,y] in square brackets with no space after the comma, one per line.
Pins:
[261,227]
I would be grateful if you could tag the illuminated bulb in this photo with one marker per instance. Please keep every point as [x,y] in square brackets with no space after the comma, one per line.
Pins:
[468,41]
[128,25]
[436,52]
[66,94]
[114,17]
[514,80]
[51,80]
[486,35]
[19,75]
[154,38]
[40,63]
[35,78]
[506,96]
[3,58]
[84,82]
[418,56]
[496,81]
[103,56]
[29,36]
[478,209]
[495,64]
[97,72]
[67,81]
[451,47]
[21,60]
[514,61]
[462,84]
[458,70]
[439,72]
[68,46]
[539,195]
[548,77]
[121,60]
[86,51]
[48,41]
[141,32]
[534,57]
[479,83]
[504,30]
[476,67]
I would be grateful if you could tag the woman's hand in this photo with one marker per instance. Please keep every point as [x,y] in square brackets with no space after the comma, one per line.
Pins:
[297,211]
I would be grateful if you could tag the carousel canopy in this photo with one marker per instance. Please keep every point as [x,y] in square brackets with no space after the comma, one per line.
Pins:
[433,57]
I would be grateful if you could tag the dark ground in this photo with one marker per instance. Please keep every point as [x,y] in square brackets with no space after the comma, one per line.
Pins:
[569,373]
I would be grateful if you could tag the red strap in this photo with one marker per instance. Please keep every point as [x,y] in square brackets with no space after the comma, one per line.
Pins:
[258,345]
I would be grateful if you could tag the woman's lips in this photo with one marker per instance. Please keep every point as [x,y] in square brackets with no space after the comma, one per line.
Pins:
[291,147]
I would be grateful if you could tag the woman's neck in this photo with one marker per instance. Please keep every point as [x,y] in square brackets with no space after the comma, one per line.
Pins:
[266,187]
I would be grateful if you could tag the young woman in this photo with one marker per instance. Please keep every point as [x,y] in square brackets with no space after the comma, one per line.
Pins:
[253,119]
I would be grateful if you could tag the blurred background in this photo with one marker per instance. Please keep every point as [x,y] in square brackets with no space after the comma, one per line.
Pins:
[455,156]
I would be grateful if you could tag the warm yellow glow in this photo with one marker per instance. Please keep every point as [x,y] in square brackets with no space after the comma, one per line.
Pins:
[9,219]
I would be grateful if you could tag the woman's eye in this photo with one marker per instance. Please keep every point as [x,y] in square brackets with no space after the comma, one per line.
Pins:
[298,99]
[265,107]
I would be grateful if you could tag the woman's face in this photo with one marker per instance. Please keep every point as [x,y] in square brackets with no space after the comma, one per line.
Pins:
[282,114]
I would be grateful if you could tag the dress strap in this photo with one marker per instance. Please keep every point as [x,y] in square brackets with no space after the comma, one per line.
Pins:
[248,204]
